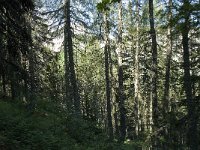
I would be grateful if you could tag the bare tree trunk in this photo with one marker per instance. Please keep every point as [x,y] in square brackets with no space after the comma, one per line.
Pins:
[166,98]
[120,77]
[150,110]
[192,115]
[154,72]
[116,120]
[3,75]
[12,73]
[108,88]
[154,64]
[69,51]
[32,82]
[2,66]
[113,82]
[136,76]
[4,83]
[68,94]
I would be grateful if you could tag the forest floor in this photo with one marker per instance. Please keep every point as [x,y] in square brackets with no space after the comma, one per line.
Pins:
[48,128]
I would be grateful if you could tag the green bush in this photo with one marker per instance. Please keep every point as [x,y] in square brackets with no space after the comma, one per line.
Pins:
[49,128]
[18,130]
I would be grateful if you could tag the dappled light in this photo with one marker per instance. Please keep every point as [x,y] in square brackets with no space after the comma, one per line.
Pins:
[99,75]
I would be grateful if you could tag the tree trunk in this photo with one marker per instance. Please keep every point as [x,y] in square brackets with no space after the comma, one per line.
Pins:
[166,98]
[154,64]
[120,77]
[2,66]
[69,51]
[154,72]
[136,76]
[68,94]
[192,115]
[4,83]
[31,79]
[113,94]
[12,73]
[108,88]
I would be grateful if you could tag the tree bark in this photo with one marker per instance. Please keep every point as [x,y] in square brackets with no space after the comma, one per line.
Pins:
[68,94]
[154,64]
[32,92]
[2,66]
[32,82]
[120,77]
[108,88]
[166,97]
[136,76]
[12,51]
[4,83]
[168,64]
[69,51]
[192,115]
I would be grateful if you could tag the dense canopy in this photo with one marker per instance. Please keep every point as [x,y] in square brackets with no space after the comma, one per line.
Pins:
[99,74]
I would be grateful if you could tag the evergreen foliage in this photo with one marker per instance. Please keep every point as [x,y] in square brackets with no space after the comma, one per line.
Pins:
[110,74]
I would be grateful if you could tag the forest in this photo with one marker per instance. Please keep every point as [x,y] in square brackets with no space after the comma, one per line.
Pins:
[99,74]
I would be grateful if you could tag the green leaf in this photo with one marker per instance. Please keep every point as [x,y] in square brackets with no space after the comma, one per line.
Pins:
[103,6]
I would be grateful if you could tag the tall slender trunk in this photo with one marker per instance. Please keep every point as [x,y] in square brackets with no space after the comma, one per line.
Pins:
[32,82]
[3,73]
[4,83]
[69,51]
[166,97]
[136,73]
[108,88]
[32,92]
[108,91]
[120,77]
[68,95]
[12,73]
[154,64]
[149,110]
[192,115]
[113,85]
[116,120]
[2,66]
